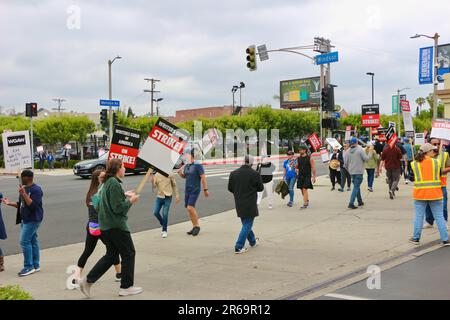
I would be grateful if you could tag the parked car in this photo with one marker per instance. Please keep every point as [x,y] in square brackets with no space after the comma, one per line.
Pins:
[60,154]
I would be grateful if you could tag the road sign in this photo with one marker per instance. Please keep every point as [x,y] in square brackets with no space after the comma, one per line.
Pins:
[109,103]
[370,115]
[327,58]
[262,52]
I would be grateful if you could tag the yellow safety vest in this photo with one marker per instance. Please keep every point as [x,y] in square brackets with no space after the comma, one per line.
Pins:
[443,157]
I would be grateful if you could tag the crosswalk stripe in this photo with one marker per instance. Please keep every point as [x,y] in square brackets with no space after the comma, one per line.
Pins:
[344,297]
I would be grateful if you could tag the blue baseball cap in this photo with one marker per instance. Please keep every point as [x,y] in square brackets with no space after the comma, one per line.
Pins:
[353,140]
[405,139]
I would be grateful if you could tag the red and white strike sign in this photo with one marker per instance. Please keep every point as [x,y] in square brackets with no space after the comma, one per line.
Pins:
[314,141]
[125,146]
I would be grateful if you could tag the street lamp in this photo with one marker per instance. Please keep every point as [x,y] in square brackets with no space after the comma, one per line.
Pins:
[241,86]
[372,74]
[110,62]
[398,109]
[233,91]
[436,67]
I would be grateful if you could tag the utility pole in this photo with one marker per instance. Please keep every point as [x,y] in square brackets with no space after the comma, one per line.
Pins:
[59,101]
[436,68]
[152,91]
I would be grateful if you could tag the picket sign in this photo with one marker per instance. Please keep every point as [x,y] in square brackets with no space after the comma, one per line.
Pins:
[441,129]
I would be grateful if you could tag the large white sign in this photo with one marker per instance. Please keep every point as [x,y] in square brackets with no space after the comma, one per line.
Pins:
[407,117]
[419,139]
[163,147]
[16,150]
[209,140]
[334,143]
[441,129]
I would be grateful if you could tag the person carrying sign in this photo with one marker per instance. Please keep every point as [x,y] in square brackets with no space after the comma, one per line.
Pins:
[194,174]
[306,174]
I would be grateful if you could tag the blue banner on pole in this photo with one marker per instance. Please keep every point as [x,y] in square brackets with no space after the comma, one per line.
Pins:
[110,103]
[426,65]
[327,58]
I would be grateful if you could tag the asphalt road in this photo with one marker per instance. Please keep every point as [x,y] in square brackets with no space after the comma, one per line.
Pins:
[426,277]
[66,214]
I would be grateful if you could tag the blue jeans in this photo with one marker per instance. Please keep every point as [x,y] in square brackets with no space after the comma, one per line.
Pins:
[436,209]
[370,177]
[429,215]
[291,183]
[30,244]
[357,180]
[165,205]
[246,234]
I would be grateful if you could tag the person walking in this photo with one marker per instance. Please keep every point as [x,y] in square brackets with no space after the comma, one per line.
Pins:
[335,169]
[371,165]
[30,214]
[194,174]
[306,174]
[391,160]
[354,161]
[166,188]
[112,208]
[428,192]
[50,161]
[93,232]
[345,175]
[2,235]
[444,159]
[289,175]
[266,169]
[42,157]
[409,159]
[244,183]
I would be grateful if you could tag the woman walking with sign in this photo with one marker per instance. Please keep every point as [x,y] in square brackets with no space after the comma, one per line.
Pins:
[306,174]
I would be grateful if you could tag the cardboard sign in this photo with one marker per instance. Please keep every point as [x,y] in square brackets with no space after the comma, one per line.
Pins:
[441,129]
[419,139]
[40,149]
[314,142]
[370,115]
[334,143]
[391,136]
[325,155]
[209,140]
[16,150]
[407,117]
[348,133]
[125,146]
[163,147]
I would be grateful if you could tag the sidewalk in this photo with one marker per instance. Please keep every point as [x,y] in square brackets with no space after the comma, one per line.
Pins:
[56,172]
[298,249]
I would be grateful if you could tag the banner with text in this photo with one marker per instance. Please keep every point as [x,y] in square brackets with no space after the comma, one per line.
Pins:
[407,118]
[370,115]
[441,129]
[125,146]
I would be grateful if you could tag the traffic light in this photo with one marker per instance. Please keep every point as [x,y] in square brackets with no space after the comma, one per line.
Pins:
[330,123]
[115,119]
[251,58]
[327,101]
[31,109]
[104,118]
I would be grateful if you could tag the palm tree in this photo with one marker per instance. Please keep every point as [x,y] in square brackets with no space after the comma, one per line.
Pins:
[420,101]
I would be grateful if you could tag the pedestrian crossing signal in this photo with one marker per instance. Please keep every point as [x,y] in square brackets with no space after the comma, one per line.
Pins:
[251,58]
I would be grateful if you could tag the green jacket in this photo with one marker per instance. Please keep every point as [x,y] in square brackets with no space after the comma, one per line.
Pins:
[372,163]
[113,206]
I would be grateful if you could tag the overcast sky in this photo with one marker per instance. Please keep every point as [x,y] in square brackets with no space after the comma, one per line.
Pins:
[197,49]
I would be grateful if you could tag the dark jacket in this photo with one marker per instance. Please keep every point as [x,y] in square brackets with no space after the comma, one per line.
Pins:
[245,183]
[2,225]
[33,212]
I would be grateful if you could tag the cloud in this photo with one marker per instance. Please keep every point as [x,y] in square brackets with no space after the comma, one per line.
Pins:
[197,48]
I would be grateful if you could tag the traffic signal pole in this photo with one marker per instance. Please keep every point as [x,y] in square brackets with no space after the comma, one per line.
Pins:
[31,142]
[110,107]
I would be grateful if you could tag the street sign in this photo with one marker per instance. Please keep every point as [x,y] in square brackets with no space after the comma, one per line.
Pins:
[109,103]
[337,115]
[370,115]
[394,104]
[125,146]
[426,65]
[262,52]
[327,58]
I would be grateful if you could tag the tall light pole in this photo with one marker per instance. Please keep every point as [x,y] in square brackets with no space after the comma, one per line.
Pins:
[399,110]
[152,92]
[233,91]
[372,75]
[110,62]
[436,67]
[241,86]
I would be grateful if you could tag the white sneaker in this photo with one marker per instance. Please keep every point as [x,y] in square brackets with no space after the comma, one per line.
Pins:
[406,181]
[427,226]
[270,207]
[243,250]
[256,243]
[131,291]
[164,234]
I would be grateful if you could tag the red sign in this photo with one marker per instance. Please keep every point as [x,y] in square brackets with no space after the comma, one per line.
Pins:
[314,141]
[125,146]
[391,136]
[370,115]
[405,105]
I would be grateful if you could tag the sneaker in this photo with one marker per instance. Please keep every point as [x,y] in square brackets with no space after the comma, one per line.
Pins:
[195,231]
[240,251]
[37,269]
[396,189]
[256,243]
[270,207]
[75,284]
[445,243]
[289,204]
[361,204]
[341,190]
[190,232]
[131,291]
[26,272]
[414,241]
[391,195]
[407,181]
[304,206]
[427,226]
[349,189]
[352,206]
[164,234]
[370,189]
[118,277]
[85,287]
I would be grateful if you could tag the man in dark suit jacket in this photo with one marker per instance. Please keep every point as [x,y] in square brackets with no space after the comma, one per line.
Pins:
[245,183]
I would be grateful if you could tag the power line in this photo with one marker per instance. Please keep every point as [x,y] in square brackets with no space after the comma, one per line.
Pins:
[60,101]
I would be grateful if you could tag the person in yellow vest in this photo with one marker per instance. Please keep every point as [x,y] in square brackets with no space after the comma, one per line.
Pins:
[445,168]
[428,192]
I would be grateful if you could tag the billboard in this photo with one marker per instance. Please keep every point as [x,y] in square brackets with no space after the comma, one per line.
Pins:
[444,59]
[300,93]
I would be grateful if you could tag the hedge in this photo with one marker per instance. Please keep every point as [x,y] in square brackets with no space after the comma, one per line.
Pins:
[57,164]
[14,293]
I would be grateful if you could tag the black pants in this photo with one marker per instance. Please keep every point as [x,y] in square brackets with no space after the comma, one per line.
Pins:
[89,247]
[335,177]
[345,175]
[117,242]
